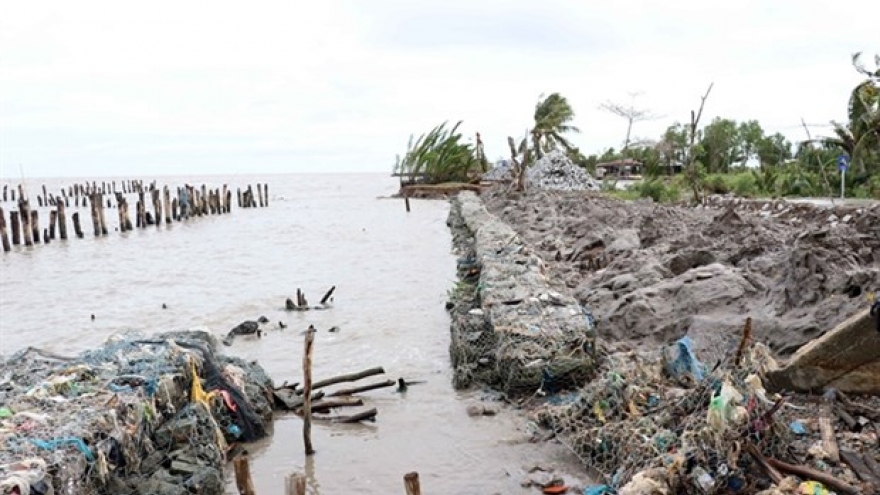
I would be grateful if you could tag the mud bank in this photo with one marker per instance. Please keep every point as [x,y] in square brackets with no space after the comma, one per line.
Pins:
[138,416]
[653,273]
[510,330]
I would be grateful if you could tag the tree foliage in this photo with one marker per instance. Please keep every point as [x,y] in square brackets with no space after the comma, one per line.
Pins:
[442,156]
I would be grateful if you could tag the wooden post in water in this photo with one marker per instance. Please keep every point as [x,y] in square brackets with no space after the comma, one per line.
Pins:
[411,484]
[46,236]
[102,219]
[4,238]
[25,213]
[204,200]
[228,201]
[141,210]
[167,197]
[157,206]
[62,221]
[53,217]
[96,222]
[174,213]
[307,391]
[16,228]
[39,200]
[295,484]
[224,201]
[35,225]
[76,226]
[238,189]
[45,195]
[243,480]
[406,201]
[260,194]
[4,192]
[266,193]
[12,193]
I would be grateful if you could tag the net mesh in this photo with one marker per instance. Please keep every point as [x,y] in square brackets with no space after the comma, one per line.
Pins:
[509,330]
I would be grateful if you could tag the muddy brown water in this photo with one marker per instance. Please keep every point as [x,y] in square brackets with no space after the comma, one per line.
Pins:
[392,271]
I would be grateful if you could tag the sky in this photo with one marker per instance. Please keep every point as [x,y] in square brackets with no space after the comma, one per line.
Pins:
[110,88]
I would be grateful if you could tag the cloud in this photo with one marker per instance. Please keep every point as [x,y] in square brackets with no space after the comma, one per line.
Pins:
[171,87]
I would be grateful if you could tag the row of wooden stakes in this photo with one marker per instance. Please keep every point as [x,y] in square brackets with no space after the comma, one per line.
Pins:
[189,202]
[295,484]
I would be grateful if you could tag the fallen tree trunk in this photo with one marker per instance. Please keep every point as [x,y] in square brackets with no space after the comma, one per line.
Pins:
[368,415]
[365,388]
[326,405]
[351,377]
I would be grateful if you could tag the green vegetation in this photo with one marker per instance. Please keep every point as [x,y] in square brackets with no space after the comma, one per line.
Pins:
[441,156]
[723,156]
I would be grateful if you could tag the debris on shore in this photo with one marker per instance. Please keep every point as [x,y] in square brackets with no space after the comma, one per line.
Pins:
[140,415]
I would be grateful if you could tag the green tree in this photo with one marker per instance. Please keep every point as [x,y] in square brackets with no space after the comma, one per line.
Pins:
[441,156]
[720,146]
[750,136]
[673,146]
[773,150]
[553,117]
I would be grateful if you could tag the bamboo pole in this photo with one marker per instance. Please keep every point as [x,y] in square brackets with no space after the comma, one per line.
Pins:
[243,480]
[411,483]
[307,391]
[62,221]
[4,238]
[295,484]
[16,228]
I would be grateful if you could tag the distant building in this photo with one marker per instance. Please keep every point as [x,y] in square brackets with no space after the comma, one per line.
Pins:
[626,168]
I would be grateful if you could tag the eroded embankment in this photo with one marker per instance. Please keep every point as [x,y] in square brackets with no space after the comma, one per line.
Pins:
[652,273]
[510,330]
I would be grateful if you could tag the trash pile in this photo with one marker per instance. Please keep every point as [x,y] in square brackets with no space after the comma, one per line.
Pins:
[555,171]
[510,331]
[665,423]
[141,415]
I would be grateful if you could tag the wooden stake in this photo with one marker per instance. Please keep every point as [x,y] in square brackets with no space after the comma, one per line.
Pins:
[53,217]
[295,484]
[35,225]
[76,227]
[46,239]
[266,193]
[16,227]
[96,222]
[25,213]
[411,483]
[239,198]
[307,392]
[327,295]
[102,220]
[167,197]
[3,236]
[157,206]
[62,221]
[243,476]
[260,194]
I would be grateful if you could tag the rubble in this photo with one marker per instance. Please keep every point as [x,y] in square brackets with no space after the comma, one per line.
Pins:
[138,416]
[555,171]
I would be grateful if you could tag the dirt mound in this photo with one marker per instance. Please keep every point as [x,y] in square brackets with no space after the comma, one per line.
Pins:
[654,273]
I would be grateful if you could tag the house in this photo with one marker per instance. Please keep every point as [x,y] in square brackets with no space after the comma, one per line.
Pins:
[626,168]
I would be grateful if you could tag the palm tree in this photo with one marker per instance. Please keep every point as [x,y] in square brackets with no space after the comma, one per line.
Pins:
[860,137]
[553,116]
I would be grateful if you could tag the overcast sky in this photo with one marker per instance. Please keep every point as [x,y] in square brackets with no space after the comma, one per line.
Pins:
[101,88]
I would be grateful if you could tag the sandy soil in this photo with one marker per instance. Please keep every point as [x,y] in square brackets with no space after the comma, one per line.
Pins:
[651,273]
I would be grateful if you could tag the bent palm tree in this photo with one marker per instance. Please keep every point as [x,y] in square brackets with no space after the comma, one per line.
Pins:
[553,116]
